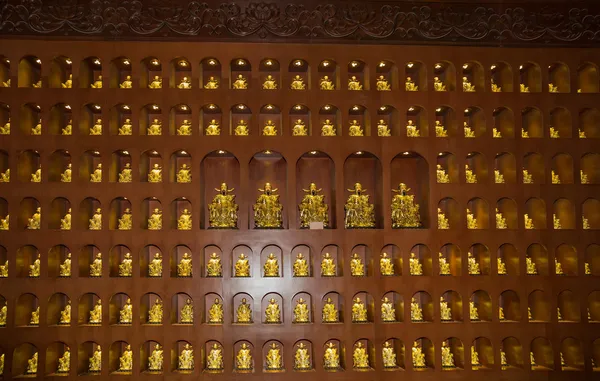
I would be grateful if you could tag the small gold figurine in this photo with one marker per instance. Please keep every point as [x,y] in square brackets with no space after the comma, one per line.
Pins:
[268,209]
[383,129]
[155,314]
[126,313]
[125,221]
[185,129]
[156,83]
[501,267]
[411,130]
[300,268]
[558,267]
[415,266]
[32,365]
[4,223]
[524,133]
[444,265]
[155,266]
[475,364]
[299,128]
[242,267]
[34,270]
[65,267]
[68,129]
[582,134]
[240,83]
[328,129]
[96,314]
[68,84]
[330,313]
[556,222]
[155,174]
[184,175]
[65,315]
[269,83]
[37,129]
[212,83]
[298,83]
[272,312]
[215,312]
[126,128]
[357,267]
[495,87]
[441,175]
[438,85]
[125,176]
[552,88]
[447,356]
[528,222]
[66,176]
[382,84]
[3,313]
[184,268]
[360,357]
[354,83]
[386,265]
[185,83]
[127,83]
[95,223]
[223,209]
[126,361]
[244,313]
[496,133]
[155,128]
[418,357]
[410,85]
[302,358]
[531,267]
[96,176]
[313,207]
[554,134]
[405,213]
[473,312]
[388,354]
[472,265]
[185,360]
[416,313]
[97,83]
[388,312]
[331,357]
[328,266]
[467,86]
[469,133]
[498,177]
[214,269]
[213,128]
[96,129]
[471,220]
[37,85]
[5,130]
[242,128]
[126,266]
[555,177]
[359,213]
[243,359]
[270,129]
[186,315]
[35,317]
[326,84]
[503,360]
[355,129]
[184,222]
[271,267]
[440,131]
[585,223]
[214,359]
[301,312]
[445,311]
[583,176]
[523,88]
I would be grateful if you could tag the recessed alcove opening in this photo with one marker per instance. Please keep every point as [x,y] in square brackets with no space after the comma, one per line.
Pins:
[451,253]
[541,348]
[26,256]
[56,257]
[386,71]
[365,168]
[590,168]
[4,163]
[151,120]
[415,74]
[482,304]
[179,207]
[90,73]
[569,306]
[592,256]
[299,70]
[30,72]
[408,168]
[318,168]
[114,354]
[56,304]
[532,123]
[481,212]
[589,123]
[593,306]
[425,302]
[90,116]
[504,122]
[270,115]
[587,78]
[240,70]
[208,252]
[560,77]
[473,72]
[119,161]
[264,303]
[117,256]
[177,253]
[90,162]
[54,351]
[365,256]
[455,303]
[116,304]
[59,208]
[539,257]
[330,115]
[415,116]
[446,117]
[177,350]
[566,255]
[235,254]
[268,167]
[560,123]
[270,74]
[338,301]
[306,344]
[533,163]
[30,119]
[121,121]
[448,163]
[4,72]
[85,306]
[505,164]
[573,354]
[87,254]
[179,160]
[61,71]
[59,161]
[502,76]
[370,351]
[211,120]
[25,306]
[241,120]
[562,166]
[120,73]
[449,207]
[221,167]
[210,299]
[328,70]
[20,357]
[149,160]
[299,120]
[474,117]
[178,301]
[60,118]
[27,208]
[539,307]
[358,71]
[485,351]
[237,300]
[513,350]
[397,303]
[511,306]
[457,350]
[507,207]
[180,73]
[210,73]
[591,212]
[5,115]
[265,255]
[428,350]
[564,211]
[150,206]
[339,348]
[4,210]
[393,252]
[85,352]
[423,255]
[530,76]
[148,300]
[180,120]
[253,356]
[478,165]
[445,72]
[151,72]
[481,253]
[147,254]
[306,254]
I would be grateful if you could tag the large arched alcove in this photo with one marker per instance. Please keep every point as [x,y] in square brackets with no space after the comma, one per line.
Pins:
[318,168]
[365,168]
[268,167]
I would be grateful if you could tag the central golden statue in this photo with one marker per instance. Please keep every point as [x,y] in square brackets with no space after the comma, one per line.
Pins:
[243,359]
[331,358]
[126,361]
[155,266]
[302,358]
[359,311]
[268,209]
[155,314]
[328,267]
[155,360]
[313,207]
[215,312]
[330,312]
[386,265]
[242,267]
[184,268]
[95,362]
[360,357]
[186,359]
[214,268]
[300,267]
[301,312]
[271,266]
[272,312]
[187,312]
[223,209]
[273,358]
[357,267]
[244,313]
[359,212]
[405,213]
[214,359]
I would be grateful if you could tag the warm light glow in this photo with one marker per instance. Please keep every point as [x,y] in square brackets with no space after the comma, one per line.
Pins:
[313,152]
[466,66]
[212,62]
[439,109]
[183,152]
[184,107]
[298,63]
[406,153]
[359,152]
[355,108]
[327,107]
[521,67]
[438,66]
[354,63]
[125,152]
[96,153]
[382,108]
[125,62]
[241,107]
[467,111]
[211,106]
[155,62]
[410,65]
[241,62]
[97,107]
[269,107]
[267,152]
[221,151]
[154,107]
[268,63]
[7,61]
[325,63]
[38,61]
[298,107]
[493,67]
[183,63]
[68,61]
[154,153]
[183,198]
[125,107]
[97,61]
[68,107]
[411,109]
[382,64]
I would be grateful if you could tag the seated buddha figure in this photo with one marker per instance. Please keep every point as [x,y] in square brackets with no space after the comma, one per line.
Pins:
[313,207]
[268,209]
[359,212]
[223,210]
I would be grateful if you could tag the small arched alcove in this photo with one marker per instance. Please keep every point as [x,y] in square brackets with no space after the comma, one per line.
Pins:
[587,78]
[211,120]
[4,72]
[211,299]
[86,351]
[90,73]
[244,298]
[481,214]
[591,214]
[180,73]
[559,78]
[450,254]
[568,309]
[474,122]
[121,262]
[90,120]
[480,306]
[530,76]
[270,74]
[329,77]
[454,302]
[54,352]
[28,257]
[405,168]
[240,71]
[59,258]
[560,123]
[563,214]
[177,254]
[415,76]
[30,119]
[268,167]
[25,306]
[447,168]
[299,72]
[476,163]
[151,309]
[268,309]
[539,258]
[538,307]
[241,121]
[506,214]
[151,261]
[237,253]
[589,123]
[299,120]
[428,350]
[85,306]
[57,218]
[87,255]
[318,168]
[119,208]
[365,169]
[271,262]
[505,168]
[541,356]
[416,123]
[222,169]
[571,351]
[358,75]
[210,73]
[395,255]
[338,302]
[151,167]
[422,301]
[88,208]
[566,259]
[473,75]
[457,351]
[30,72]
[270,121]
[359,122]
[444,76]
[115,352]
[181,214]
[151,73]
[592,259]
[450,211]
[562,169]
[121,121]
[115,307]
[535,209]
[61,119]
[532,123]
[21,356]
[504,123]
[120,73]
[509,306]
[422,256]
[593,306]
[501,77]
[589,172]
[90,167]
[180,120]
[151,120]
[445,122]
[481,260]
[513,353]
[330,121]
[482,346]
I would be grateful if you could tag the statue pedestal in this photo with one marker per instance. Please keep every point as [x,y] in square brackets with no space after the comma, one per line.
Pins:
[213,370]
[273,322]
[391,367]
[332,369]
[302,369]
[243,370]
[390,321]
[274,370]
[360,321]
[122,372]
[153,371]
[185,371]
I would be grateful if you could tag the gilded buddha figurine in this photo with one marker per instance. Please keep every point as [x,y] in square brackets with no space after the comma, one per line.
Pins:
[386,265]
[155,174]
[445,311]
[475,364]
[447,356]
[5,130]
[554,134]
[441,175]
[5,176]
[272,312]
[240,83]
[444,265]
[186,315]
[64,362]
[37,85]
[65,315]
[469,133]
[126,128]
[300,268]
[242,267]
[66,176]
[68,129]
[302,358]
[360,356]
[185,360]
[355,129]
[383,84]
[156,83]
[155,266]
[185,129]
[438,85]
[409,85]
[213,128]
[467,86]
[470,177]
[6,84]
[501,267]
[299,128]
[214,359]
[471,220]
[155,314]
[416,313]
[528,222]
[496,133]
[96,266]
[388,312]
[271,266]
[36,177]
[555,177]
[357,267]
[558,267]
[126,313]
[531,267]
[242,128]
[331,357]
[155,220]
[354,83]
[127,83]
[126,361]
[473,312]
[301,312]
[243,359]
[65,267]
[330,313]
[184,175]
[34,270]
[440,130]
[388,355]
[313,207]
[34,223]
[270,83]
[298,83]
[125,221]
[215,312]
[328,266]
[68,83]
[3,313]
[95,223]
[184,268]
[125,176]
[214,268]
[35,317]
[328,128]
[495,87]
[415,266]
[359,311]
[97,83]
[95,362]
[37,129]
[96,314]
[184,222]
[418,357]
[383,129]
[32,365]
[244,313]
[155,128]
[96,129]
[96,176]
[500,220]
[185,83]
[472,265]
[5,222]
[405,213]
[223,209]
[212,83]
[326,84]
[359,212]
[268,209]
[269,129]
[411,129]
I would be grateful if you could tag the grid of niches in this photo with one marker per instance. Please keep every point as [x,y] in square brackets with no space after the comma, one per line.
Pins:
[138,98]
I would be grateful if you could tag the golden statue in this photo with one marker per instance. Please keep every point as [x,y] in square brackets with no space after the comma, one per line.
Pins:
[268,209]
[438,85]
[585,223]
[447,356]
[156,83]
[273,360]
[555,177]
[95,223]
[416,313]
[36,177]
[68,84]
[302,358]
[531,267]
[313,207]
[213,128]
[64,362]
[125,221]
[355,129]
[496,133]
[155,314]
[495,87]
[359,212]
[360,357]
[272,312]
[126,266]
[558,314]
[359,311]
[155,266]
[242,128]
[184,268]
[96,128]
[388,354]
[125,174]
[528,222]
[326,84]
[269,83]
[185,83]
[184,222]
[95,362]
[214,267]
[409,85]
[96,266]
[184,175]
[440,131]
[471,178]
[382,84]
[581,134]
[242,267]
[155,174]
[331,357]
[501,314]
[444,265]
[126,313]
[127,83]
[301,312]
[328,128]
[524,134]
[354,83]
[411,130]
[65,315]
[556,222]
[243,359]
[503,360]
[97,83]
[65,177]
[126,360]
[126,128]
[3,313]
[155,128]
[554,134]
[472,265]
[558,267]
[186,315]
[471,220]
[475,364]
[383,129]
[244,313]
[552,88]
[500,220]
[214,358]
[34,270]
[532,360]
[271,266]
[37,129]
[467,86]
[37,85]
[501,267]
[96,176]
[473,312]
[34,223]
[212,83]
[32,365]
[65,267]
[587,269]
[445,311]
[223,209]
[4,223]
[386,265]
[299,128]
[415,266]
[298,83]
[5,130]
[330,313]
[185,360]
[441,175]
[388,312]
[357,267]
[269,129]
[240,83]
[6,84]
[96,314]
[215,312]
[185,129]
[405,213]
[155,220]
[300,268]
[35,317]
[418,357]
[328,266]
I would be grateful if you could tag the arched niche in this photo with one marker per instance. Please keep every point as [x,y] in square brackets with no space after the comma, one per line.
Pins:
[28,162]
[58,210]
[299,115]
[593,306]
[60,121]
[425,303]
[89,162]
[30,72]
[445,72]
[268,167]
[270,115]
[220,167]
[56,257]
[388,70]
[121,121]
[299,69]
[363,252]
[393,252]
[4,166]
[511,346]
[150,160]
[560,123]
[114,354]
[539,257]
[589,123]
[587,78]
[240,68]
[151,71]
[452,255]
[269,70]
[480,209]
[369,303]
[370,352]
[571,350]
[473,72]
[535,208]
[336,255]
[447,163]
[26,257]
[358,71]
[4,212]
[211,116]
[449,207]
[265,255]
[502,76]
[307,255]
[305,344]
[532,123]
[504,123]
[116,256]
[254,357]
[592,257]
[412,169]
[505,168]
[180,120]
[485,353]
[477,163]
[307,298]
[591,213]
[423,255]
[446,118]
[60,161]
[564,211]
[568,305]
[511,306]
[147,254]
[589,172]
[30,119]
[397,302]
[235,254]
[85,305]
[328,70]
[541,349]
[180,73]
[538,307]
[120,160]
[27,208]
[90,116]
[240,117]
[54,351]
[177,254]
[264,303]
[507,208]
[26,304]
[151,120]
[90,73]
[116,303]
[474,118]
[317,167]
[4,260]
[399,351]
[179,207]
[208,252]
[482,303]
[181,161]
[339,348]
[210,72]
[416,72]
[4,72]
[330,115]
[455,303]
[559,77]
[120,70]
[87,208]
[566,255]
[562,166]
[118,207]
[358,115]
[177,350]
[416,123]
[212,298]
[85,352]
[20,357]
[428,350]
[482,256]
[87,254]
[5,121]
[458,352]
[338,301]
[147,301]
[530,76]
[237,300]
